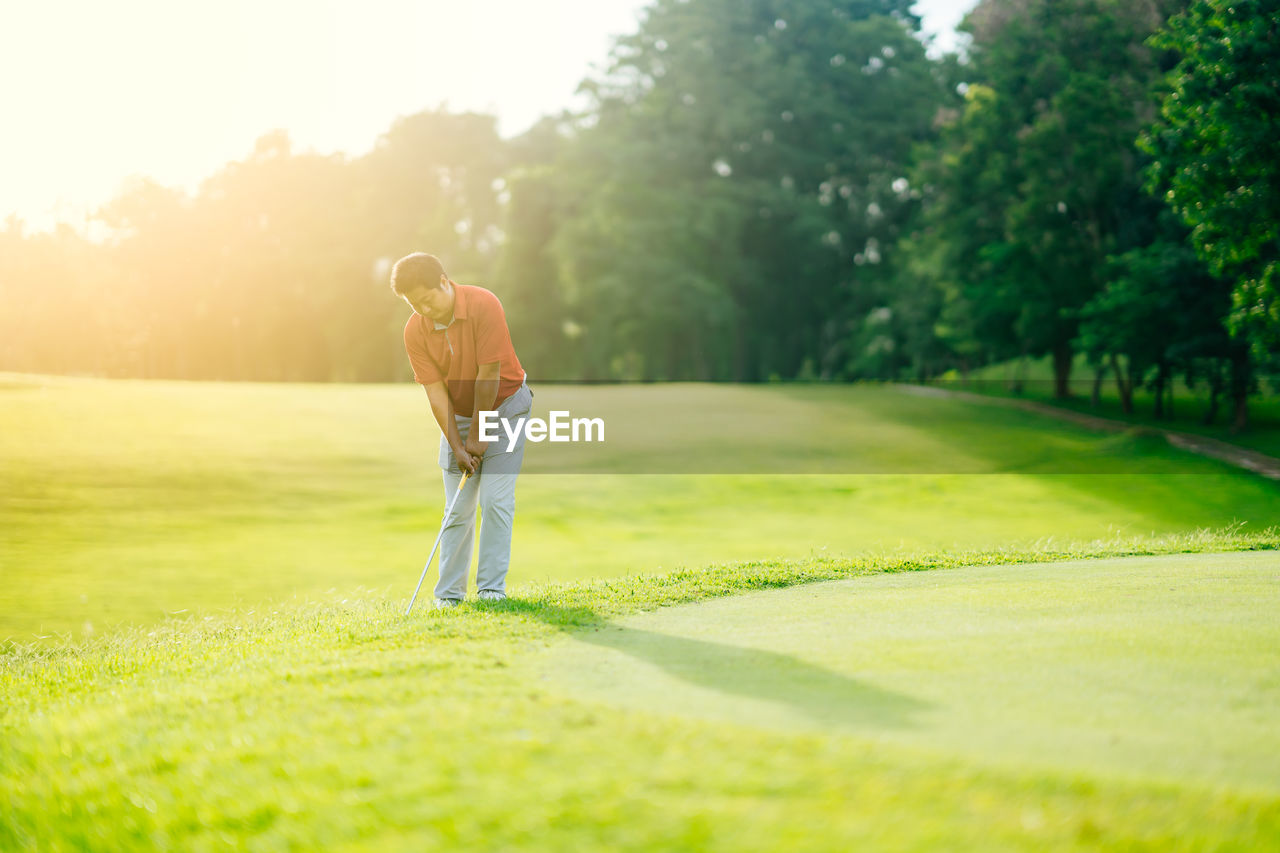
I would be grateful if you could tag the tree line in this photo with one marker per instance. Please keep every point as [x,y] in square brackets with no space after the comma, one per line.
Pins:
[755,190]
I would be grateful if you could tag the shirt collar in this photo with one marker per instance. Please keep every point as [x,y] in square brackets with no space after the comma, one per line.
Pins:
[459,307]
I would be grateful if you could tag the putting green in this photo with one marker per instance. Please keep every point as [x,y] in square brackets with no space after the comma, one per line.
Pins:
[1155,667]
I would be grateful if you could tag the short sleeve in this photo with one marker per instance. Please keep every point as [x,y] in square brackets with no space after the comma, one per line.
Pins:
[425,371]
[493,339]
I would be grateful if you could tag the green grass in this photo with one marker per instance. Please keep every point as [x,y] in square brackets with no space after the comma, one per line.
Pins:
[1189,407]
[122,502]
[342,725]
[1155,669]
[290,705]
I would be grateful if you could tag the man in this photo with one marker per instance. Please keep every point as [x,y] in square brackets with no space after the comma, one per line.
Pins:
[460,348]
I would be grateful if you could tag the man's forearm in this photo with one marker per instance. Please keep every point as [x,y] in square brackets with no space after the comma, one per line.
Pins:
[486,390]
[442,410]
[486,394]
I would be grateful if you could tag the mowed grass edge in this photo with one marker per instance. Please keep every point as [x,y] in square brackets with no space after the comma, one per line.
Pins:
[344,724]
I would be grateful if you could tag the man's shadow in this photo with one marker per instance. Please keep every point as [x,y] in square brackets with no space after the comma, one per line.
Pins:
[828,698]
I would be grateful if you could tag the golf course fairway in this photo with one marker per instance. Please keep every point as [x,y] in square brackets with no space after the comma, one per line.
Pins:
[1158,668]
[190,498]
[976,628]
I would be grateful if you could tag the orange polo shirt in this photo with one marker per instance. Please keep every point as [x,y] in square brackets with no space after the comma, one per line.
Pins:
[452,354]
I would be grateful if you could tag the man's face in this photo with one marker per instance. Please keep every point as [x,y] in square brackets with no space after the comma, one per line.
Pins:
[435,303]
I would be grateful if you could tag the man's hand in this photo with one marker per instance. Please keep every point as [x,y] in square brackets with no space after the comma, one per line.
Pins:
[466,460]
[476,447]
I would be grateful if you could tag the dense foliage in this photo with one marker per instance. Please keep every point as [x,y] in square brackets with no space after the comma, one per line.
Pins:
[1216,148]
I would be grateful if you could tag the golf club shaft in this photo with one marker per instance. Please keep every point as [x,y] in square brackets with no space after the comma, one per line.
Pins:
[448,511]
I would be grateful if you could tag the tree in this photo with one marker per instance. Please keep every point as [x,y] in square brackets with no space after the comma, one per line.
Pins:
[1163,313]
[1040,173]
[53,295]
[527,277]
[1216,150]
[731,188]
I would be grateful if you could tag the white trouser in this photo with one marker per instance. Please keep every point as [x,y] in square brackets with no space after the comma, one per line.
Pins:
[495,490]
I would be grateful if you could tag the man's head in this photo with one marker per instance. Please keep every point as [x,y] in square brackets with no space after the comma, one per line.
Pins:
[420,280]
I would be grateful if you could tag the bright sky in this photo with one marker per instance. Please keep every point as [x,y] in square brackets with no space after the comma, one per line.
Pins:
[97,91]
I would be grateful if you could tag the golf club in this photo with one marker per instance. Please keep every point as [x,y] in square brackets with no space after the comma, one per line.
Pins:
[448,511]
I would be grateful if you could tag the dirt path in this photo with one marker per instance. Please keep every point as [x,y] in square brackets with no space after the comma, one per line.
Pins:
[1251,460]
